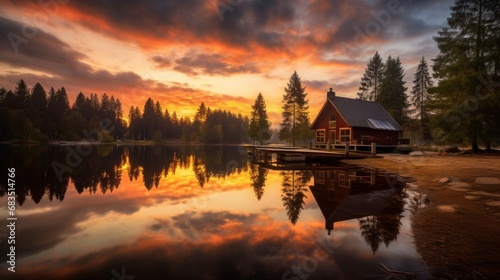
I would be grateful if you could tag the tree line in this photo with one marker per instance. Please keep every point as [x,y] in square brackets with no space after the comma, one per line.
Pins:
[102,169]
[295,125]
[35,115]
[462,108]
[209,126]
[383,82]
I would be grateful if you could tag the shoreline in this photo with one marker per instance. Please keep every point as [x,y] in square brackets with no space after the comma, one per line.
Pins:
[118,143]
[457,233]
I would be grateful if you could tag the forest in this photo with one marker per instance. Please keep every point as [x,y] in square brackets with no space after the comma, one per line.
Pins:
[101,173]
[455,103]
[35,115]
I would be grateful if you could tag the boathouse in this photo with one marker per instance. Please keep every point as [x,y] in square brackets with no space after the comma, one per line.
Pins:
[357,123]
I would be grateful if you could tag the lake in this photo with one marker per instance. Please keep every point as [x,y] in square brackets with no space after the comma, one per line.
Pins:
[202,212]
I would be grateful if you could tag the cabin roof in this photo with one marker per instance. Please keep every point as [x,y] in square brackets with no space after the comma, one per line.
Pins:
[360,113]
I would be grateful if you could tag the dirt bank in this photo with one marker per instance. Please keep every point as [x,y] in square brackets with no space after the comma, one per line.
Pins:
[457,234]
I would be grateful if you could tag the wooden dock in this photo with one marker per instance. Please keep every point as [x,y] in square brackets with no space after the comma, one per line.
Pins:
[272,154]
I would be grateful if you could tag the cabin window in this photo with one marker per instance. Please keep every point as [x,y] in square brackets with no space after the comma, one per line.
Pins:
[320,136]
[319,177]
[345,135]
[333,122]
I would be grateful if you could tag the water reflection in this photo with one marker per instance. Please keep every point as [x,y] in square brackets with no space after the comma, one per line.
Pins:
[294,189]
[375,199]
[258,175]
[195,212]
[101,169]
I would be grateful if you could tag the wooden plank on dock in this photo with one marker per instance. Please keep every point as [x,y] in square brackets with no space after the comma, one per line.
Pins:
[302,154]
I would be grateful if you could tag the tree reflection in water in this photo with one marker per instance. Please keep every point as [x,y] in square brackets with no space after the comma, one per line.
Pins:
[383,228]
[368,196]
[101,169]
[258,175]
[341,193]
[294,186]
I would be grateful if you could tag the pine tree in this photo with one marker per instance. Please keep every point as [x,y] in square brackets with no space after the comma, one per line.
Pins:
[119,127]
[420,97]
[80,103]
[467,68]
[295,125]
[168,129]
[392,90]
[369,88]
[258,176]
[201,113]
[21,95]
[37,107]
[293,192]
[135,123]
[148,117]
[259,124]
[199,119]
[57,108]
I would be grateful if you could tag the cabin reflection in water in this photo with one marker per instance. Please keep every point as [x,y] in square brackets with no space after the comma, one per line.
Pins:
[374,198]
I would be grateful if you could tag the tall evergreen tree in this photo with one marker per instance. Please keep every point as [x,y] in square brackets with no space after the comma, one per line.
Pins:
[295,125]
[393,91]
[259,124]
[159,122]
[293,192]
[80,103]
[9,100]
[177,127]
[258,176]
[105,110]
[369,88]
[135,123]
[148,119]
[22,94]
[95,105]
[420,97]
[467,68]
[168,127]
[57,108]
[199,119]
[37,107]
[117,113]
[201,113]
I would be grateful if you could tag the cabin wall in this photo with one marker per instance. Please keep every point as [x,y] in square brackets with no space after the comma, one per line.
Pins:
[359,135]
[381,137]
[323,122]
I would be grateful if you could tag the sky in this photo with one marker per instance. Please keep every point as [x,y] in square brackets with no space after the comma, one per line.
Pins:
[221,52]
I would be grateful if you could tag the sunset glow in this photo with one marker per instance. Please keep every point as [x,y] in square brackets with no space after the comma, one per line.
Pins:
[183,53]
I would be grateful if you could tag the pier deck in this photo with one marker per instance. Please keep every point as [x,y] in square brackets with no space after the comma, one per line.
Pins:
[269,154]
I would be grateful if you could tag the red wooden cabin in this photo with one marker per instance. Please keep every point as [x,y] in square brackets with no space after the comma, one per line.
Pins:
[357,122]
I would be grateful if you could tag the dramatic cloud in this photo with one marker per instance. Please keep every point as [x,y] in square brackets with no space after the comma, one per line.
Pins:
[161,61]
[210,64]
[224,51]
[45,53]
[63,66]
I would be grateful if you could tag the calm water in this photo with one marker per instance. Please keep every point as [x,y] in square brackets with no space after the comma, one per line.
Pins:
[186,212]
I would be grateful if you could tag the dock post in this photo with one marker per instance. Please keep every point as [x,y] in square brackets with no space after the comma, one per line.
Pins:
[374,148]
[347,149]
